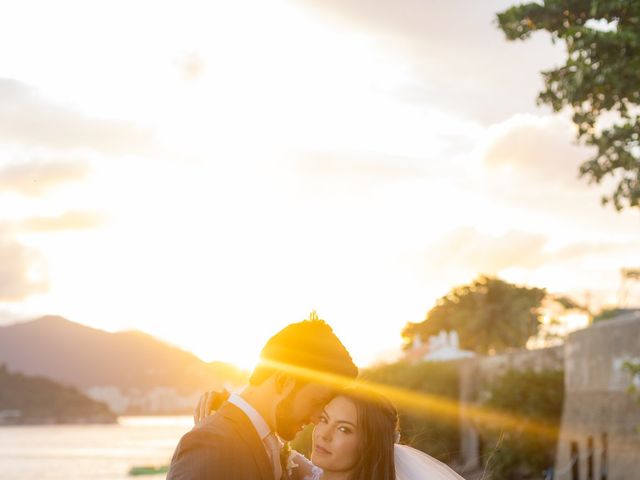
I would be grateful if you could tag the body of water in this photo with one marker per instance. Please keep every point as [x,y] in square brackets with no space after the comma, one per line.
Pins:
[104,452]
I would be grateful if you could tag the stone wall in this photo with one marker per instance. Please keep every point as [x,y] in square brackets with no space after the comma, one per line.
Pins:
[600,420]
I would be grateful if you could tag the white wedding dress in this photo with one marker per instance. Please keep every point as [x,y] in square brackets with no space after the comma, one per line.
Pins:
[411,464]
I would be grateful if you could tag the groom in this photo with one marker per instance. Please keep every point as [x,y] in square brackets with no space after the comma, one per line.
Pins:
[294,380]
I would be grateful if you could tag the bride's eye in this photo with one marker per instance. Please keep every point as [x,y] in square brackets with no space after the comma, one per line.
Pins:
[323,419]
[344,429]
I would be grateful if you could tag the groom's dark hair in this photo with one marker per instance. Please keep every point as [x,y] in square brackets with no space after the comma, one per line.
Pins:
[303,349]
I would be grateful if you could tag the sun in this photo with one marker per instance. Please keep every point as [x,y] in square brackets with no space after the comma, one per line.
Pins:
[238,354]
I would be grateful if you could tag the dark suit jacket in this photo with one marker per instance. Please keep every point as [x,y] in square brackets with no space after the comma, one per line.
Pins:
[225,447]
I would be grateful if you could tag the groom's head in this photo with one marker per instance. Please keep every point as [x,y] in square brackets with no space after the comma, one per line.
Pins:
[301,367]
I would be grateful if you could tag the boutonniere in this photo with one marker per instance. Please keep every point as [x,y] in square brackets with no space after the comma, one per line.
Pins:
[286,459]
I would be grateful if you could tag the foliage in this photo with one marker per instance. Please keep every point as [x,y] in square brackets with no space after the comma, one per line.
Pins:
[568,303]
[607,314]
[303,441]
[535,399]
[40,400]
[600,81]
[553,329]
[634,369]
[489,315]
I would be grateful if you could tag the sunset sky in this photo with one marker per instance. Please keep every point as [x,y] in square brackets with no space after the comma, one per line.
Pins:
[208,172]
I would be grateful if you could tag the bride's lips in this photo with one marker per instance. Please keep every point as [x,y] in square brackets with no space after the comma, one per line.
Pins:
[322,451]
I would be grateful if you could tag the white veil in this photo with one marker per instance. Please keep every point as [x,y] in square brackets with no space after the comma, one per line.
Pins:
[412,464]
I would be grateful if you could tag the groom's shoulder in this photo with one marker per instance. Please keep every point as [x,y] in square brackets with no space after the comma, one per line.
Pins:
[223,428]
[209,449]
[216,429]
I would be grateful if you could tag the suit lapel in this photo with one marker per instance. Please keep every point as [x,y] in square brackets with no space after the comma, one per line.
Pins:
[249,436]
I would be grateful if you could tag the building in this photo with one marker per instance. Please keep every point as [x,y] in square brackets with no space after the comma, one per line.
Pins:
[600,430]
[439,348]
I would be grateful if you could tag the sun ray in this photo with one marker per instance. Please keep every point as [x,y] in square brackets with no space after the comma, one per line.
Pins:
[424,403]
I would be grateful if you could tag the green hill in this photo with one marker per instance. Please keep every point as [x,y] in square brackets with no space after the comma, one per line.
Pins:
[37,400]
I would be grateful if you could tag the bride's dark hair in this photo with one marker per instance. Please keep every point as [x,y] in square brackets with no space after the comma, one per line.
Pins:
[378,425]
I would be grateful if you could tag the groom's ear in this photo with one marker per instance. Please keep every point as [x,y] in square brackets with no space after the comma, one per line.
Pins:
[284,383]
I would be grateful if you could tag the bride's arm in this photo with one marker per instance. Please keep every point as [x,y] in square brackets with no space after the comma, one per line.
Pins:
[302,468]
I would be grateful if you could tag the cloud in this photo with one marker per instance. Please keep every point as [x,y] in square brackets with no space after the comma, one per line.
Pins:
[34,177]
[28,119]
[191,65]
[468,249]
[361,166]
[538,149]
[22,271]
[577,251]
[531,165]
[460,58]
[72,220]
[472,252]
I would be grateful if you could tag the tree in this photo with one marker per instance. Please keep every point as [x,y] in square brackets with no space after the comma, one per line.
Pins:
[633,367]
[608,314]
[599,83]
[489,315]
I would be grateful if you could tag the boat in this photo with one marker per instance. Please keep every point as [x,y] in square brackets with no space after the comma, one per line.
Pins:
[148,470]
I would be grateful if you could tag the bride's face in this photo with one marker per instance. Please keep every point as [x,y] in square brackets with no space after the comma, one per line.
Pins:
[336,436]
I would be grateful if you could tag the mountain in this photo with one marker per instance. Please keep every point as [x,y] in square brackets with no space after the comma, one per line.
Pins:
[93,360]
[37,400]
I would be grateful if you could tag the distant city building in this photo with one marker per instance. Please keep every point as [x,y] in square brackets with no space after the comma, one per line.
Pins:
[156,401]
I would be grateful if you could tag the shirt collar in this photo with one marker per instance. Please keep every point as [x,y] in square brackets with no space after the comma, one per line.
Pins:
[256,419]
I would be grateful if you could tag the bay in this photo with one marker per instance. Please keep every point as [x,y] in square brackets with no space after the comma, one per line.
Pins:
[105,452]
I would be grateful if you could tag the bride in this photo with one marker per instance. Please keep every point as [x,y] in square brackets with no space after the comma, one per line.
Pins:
[357,438]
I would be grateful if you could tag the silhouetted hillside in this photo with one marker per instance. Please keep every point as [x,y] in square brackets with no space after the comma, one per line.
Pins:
[84,357]
[36,400]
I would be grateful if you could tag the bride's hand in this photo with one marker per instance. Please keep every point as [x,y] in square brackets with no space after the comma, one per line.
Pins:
[303,469]
[208,403]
